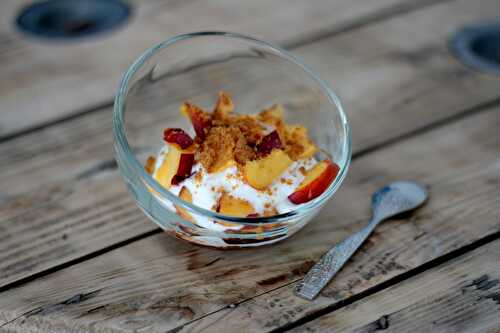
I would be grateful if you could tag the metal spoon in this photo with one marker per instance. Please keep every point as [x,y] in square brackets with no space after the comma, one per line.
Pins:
[391,200]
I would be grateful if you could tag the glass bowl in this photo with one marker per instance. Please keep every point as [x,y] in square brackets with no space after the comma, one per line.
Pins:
[256,74]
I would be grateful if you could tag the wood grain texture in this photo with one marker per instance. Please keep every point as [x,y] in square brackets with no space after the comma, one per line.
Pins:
[462,209]
[41,81]
[61,184]
[158,283]
[462,295]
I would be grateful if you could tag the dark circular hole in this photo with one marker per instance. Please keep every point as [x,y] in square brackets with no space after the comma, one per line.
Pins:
[487,47]
[479,47]
[72,18]
[57,22]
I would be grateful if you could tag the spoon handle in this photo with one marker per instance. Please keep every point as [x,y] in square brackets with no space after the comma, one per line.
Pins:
[326,268]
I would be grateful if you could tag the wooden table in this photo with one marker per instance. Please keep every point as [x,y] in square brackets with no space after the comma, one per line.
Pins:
[76,255]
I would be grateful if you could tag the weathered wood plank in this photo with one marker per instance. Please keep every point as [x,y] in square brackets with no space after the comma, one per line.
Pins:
[59,183]
[41,81]
[159,283]
[459,296]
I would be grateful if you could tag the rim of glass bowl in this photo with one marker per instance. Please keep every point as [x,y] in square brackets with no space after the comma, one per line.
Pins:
[124,148]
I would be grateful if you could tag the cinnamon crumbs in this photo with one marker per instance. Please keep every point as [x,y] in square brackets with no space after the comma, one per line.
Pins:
[223,144]
[198,176]
[226,138]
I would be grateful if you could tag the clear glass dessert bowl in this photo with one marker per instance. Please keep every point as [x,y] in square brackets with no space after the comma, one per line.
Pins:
[196,67]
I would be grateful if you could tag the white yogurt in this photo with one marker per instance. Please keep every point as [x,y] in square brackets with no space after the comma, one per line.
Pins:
[204,189]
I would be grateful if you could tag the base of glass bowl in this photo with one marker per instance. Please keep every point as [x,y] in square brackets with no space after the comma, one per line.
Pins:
[228,243]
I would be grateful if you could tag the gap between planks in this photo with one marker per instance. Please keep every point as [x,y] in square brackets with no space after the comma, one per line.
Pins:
[439,261]
[461,295]
[78,260]
[413,273]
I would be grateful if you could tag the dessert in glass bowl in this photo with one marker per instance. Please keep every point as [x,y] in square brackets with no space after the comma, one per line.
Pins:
[243,165]
[230,172]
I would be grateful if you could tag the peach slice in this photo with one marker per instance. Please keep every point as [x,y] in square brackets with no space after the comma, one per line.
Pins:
[269,142]
[224,106]
[176,166]
[262,172]
[177,136]
[316,181]
[185,195]
[200,119]
[229,205]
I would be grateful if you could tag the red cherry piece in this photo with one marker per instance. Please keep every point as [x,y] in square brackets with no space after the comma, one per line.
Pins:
[269,142]
[178,136]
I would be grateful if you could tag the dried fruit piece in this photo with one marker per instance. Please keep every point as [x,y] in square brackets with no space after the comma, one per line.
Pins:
[185,164]
[316,181]
[262,172]
[176,180]
[177,136]
[229,205]
[200,119]
[269,142]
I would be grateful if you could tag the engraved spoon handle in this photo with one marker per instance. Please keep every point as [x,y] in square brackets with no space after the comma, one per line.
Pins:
[324,270]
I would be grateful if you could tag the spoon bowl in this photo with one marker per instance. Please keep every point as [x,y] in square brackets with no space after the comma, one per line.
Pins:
[397,198]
